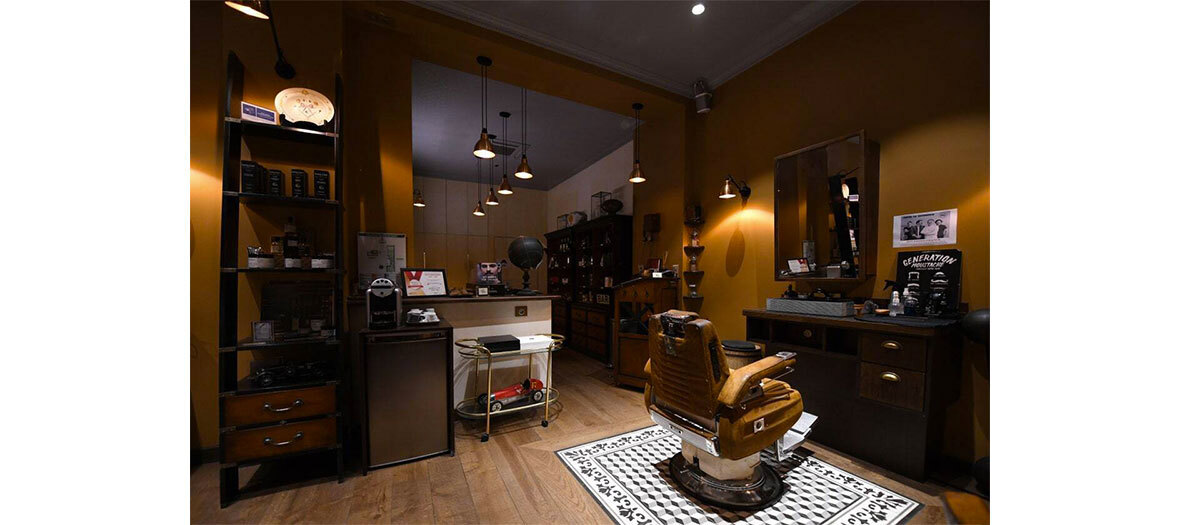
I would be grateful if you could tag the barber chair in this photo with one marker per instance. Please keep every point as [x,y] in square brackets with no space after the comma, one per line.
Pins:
[723,417]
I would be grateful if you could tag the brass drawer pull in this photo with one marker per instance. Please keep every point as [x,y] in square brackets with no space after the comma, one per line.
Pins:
[268,441]
[807,332]
[298,403]
[890,376]
[891,345]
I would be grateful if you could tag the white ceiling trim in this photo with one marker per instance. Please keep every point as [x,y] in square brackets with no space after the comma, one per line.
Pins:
[789,31]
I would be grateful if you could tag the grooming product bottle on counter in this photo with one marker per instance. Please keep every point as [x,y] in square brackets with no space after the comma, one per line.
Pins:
[895,307]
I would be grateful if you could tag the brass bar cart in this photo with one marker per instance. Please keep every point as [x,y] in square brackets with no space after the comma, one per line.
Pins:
[470,408]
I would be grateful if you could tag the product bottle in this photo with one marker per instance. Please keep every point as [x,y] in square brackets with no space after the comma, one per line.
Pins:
[895,307]
[910,302]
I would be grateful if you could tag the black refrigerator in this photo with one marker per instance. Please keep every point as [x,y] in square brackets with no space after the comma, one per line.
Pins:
[407,377]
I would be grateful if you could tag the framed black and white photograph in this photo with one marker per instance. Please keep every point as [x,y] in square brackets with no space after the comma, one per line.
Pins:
[424,282]
[930,228]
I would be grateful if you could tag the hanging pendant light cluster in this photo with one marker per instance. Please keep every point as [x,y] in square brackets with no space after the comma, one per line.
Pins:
[483,147]
[523,171]
[636,173]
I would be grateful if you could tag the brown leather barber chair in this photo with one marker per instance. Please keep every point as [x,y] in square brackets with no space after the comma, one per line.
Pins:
[724,417]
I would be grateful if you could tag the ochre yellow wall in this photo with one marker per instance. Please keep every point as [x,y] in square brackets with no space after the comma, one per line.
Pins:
[915,77]
[372,45]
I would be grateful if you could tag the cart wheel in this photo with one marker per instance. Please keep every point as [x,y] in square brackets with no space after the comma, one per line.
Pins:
[545,422]
[482,400]
[496,406]
[483,438]
[538,396]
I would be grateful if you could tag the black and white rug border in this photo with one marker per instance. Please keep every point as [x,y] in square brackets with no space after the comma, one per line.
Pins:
[622,506]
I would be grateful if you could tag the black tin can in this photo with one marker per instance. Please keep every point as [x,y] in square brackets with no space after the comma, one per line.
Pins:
[320,179]
[274,182]
[298,183]
[251,177]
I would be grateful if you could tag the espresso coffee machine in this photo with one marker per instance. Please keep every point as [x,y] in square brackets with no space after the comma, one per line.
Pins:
[383,305]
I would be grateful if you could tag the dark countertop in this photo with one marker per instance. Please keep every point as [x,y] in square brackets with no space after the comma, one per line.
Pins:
[847,322]
[441,325]
[485,299]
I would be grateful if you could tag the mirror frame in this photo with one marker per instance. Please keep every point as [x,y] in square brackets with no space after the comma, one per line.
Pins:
[868,192]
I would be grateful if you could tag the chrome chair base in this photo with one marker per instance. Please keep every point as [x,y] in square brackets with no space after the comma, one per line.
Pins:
[762,489]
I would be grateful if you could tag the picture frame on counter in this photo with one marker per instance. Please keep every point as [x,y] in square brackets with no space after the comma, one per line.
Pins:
[424,282]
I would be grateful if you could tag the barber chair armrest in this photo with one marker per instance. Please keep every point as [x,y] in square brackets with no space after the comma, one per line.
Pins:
[746,380]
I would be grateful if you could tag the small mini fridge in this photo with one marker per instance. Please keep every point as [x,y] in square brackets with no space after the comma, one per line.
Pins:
[407,394]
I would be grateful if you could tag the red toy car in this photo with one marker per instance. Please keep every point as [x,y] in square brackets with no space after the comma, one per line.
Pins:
[529,389]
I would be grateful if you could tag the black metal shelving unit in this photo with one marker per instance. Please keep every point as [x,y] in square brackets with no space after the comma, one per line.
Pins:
[304,463]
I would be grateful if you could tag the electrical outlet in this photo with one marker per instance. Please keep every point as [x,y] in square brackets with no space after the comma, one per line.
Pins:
[522,311]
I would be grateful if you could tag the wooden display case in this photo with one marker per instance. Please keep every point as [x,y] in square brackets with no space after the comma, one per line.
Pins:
[636,301]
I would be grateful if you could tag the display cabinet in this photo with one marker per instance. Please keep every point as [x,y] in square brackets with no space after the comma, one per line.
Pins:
[586,261]
[635,302]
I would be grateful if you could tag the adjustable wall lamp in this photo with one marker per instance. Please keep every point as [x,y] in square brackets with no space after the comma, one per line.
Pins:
[732,185]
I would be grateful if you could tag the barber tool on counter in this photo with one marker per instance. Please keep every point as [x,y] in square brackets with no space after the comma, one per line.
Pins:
[383,304]
[818,302]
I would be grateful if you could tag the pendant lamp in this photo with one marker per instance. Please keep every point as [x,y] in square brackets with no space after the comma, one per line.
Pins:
[505,188]
[491,199]
[483,146]
[419,202]
[636,173]
[523,171]
[478,211]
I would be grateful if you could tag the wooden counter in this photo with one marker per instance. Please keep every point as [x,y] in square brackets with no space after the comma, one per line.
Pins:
[880,390]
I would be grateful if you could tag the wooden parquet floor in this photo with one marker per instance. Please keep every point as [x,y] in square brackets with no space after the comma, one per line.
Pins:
[513,478]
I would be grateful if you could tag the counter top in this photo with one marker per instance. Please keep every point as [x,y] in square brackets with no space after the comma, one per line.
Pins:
[485,299]
[848,322]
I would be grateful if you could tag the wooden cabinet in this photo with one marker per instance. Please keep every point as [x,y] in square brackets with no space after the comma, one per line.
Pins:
[586,261]
[636,301]
[880,390]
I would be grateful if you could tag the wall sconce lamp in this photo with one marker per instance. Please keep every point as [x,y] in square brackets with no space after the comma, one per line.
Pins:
[732,185]
[262,9]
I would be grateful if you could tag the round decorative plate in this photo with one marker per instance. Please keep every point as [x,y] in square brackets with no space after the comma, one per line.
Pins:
[304,105]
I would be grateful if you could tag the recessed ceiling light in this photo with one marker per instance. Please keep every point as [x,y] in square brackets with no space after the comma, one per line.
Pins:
[698,9]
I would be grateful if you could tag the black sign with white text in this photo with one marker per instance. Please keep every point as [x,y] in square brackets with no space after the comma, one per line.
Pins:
[934,277]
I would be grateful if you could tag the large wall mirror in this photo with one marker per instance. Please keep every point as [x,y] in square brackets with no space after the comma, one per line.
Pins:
[825,212]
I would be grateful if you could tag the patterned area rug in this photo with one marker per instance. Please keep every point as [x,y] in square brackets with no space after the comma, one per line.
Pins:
[628,475]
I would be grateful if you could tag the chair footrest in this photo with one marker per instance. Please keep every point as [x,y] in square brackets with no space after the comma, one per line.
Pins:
[708,444]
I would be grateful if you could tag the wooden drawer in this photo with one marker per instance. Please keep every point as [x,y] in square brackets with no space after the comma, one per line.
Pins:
[276,406]
[244,445]
[578,328]
[578,314]
[904,352]
[596,318]
[893,386]
[803,335]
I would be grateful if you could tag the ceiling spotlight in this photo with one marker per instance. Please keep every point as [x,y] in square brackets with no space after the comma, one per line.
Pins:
[698,9]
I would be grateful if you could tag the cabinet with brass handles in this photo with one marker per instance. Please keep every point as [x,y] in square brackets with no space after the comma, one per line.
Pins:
[880,390]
